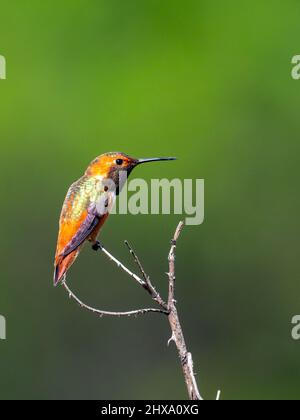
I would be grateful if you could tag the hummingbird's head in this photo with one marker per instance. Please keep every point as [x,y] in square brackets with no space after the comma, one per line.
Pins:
[115,165]
[111,164]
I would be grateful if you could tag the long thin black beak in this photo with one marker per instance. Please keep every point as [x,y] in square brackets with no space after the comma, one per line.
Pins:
[154,160]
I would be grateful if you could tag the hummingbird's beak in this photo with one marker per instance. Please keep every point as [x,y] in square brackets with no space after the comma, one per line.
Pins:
[154,160]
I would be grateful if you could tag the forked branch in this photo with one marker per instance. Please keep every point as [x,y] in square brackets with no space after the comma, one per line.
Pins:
[164,308]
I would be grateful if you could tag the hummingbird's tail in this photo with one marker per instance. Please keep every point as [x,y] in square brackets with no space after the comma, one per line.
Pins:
[62,265]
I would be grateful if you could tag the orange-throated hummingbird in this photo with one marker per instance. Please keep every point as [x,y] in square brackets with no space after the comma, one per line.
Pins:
[88,204]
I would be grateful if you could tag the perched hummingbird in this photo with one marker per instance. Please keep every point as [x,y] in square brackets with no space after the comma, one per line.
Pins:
[88,204]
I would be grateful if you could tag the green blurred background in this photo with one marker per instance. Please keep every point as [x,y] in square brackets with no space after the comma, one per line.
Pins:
[209,82]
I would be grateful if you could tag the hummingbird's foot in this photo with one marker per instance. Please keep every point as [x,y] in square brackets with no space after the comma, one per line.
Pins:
[96,246]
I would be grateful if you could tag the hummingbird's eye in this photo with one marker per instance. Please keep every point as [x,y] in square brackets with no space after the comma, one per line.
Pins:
[119,162]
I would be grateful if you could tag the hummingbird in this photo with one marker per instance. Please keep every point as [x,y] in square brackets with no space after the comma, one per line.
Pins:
[87,205]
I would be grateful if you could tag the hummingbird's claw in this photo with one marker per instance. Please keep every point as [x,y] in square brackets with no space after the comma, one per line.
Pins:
[96,246]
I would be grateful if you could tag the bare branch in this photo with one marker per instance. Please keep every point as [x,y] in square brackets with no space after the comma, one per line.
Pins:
[122,266]
[168,309]
[147,282]
[137,261]
[171,259]
[177,333]
[107,313]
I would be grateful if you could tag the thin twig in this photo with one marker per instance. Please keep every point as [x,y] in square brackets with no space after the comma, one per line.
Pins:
[177,333]
[138,262]
[102,313]
[122,266]
[147,282]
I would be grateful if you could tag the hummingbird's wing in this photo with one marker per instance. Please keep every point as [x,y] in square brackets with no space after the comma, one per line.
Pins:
[85,208]
[85,230]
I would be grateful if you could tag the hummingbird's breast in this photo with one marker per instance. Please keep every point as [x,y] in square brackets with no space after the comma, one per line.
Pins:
[104,196]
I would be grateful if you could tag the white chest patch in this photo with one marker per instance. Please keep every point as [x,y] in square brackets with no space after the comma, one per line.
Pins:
[105,203]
